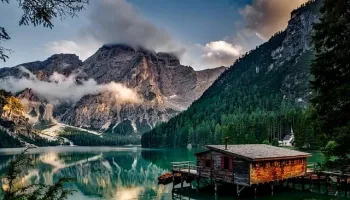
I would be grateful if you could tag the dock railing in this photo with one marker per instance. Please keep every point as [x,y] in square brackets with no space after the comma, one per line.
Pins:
[185,167]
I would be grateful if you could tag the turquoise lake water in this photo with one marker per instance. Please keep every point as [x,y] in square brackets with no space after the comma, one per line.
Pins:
[126,173]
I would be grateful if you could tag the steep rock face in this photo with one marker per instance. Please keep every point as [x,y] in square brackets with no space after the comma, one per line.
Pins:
[36,110]
[271,80]
[164,86]
[62,63]
[14,127]
[205,78]
[296,49]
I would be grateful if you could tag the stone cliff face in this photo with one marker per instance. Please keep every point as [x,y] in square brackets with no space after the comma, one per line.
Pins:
[164,85]
[62,63]
[297,52]
[275,73]
[13,121]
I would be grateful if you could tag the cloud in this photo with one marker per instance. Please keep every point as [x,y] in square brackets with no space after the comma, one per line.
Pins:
[83,50]
[220,53]
[62,89]
[116,22]
[266,17]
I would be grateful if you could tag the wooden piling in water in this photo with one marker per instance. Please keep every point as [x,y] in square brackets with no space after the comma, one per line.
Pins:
[271,188]
[221,166]
[197,184]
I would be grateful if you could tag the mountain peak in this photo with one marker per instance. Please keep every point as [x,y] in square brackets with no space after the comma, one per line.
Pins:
[64,56]
[122,47]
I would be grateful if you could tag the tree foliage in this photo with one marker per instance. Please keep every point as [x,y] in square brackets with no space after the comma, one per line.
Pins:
[3,37]
[41,12]
[14,189]
[254,101]
[83,138]
[331,70]
[246,106]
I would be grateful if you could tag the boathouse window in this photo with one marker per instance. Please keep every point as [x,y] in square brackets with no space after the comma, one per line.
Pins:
[207,163]
[226,162]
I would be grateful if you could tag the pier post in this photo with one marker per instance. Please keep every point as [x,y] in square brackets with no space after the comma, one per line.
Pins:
[346,187]
[198,184]
[215,187]
[327,185]
[281,183]
[311,183]
[271,188]
[303,183]
[255,187]
[319,183]
[182,182]
[173,180]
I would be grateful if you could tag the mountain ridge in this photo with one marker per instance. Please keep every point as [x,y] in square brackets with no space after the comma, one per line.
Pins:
[165,86]
[258,99]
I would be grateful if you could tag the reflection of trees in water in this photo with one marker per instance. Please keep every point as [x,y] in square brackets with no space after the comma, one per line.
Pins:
[111,175]
[4,161]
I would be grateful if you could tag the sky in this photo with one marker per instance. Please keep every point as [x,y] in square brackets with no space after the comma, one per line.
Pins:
[202,33]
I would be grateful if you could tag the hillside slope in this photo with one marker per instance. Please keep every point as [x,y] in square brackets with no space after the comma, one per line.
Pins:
[162,85]
[258,99]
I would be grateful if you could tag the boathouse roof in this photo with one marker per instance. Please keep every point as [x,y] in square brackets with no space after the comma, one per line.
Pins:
[258,152]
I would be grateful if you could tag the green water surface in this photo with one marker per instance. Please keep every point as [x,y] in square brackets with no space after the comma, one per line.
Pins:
[127,173]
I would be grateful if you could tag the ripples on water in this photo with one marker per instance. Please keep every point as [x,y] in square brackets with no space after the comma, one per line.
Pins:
[116,173]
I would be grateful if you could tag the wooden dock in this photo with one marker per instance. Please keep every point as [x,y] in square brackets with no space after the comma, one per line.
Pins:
[255,166]
[185,167]
[322,182]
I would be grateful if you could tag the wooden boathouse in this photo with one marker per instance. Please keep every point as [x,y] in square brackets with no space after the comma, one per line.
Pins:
[250,164]
[245,165]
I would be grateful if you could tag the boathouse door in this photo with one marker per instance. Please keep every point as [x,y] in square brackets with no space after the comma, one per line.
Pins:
[241,172]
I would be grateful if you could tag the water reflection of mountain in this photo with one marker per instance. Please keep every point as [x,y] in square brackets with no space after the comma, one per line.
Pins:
[108,175]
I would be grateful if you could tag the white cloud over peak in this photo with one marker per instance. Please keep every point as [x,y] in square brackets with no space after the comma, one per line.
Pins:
[266,17]
[220,53]
[118,21]
[82,49]
[114,22]
[224,47]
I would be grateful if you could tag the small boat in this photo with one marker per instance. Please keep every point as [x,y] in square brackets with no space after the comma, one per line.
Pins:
[168,178]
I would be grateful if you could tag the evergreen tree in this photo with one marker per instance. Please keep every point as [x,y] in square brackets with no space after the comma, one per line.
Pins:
[331,70]
[249,106]
[13,188]
[41,12]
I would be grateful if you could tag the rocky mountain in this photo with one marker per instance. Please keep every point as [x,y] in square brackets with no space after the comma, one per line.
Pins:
[258,99]
[163,86]
[15,130]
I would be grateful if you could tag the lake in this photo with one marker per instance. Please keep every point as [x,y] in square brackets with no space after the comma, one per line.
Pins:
[123,173]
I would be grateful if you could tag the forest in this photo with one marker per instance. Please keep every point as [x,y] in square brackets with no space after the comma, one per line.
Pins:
[254,101]
[82,138]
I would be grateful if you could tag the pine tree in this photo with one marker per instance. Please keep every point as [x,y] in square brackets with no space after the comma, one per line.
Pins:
[331,70]
[13,188]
